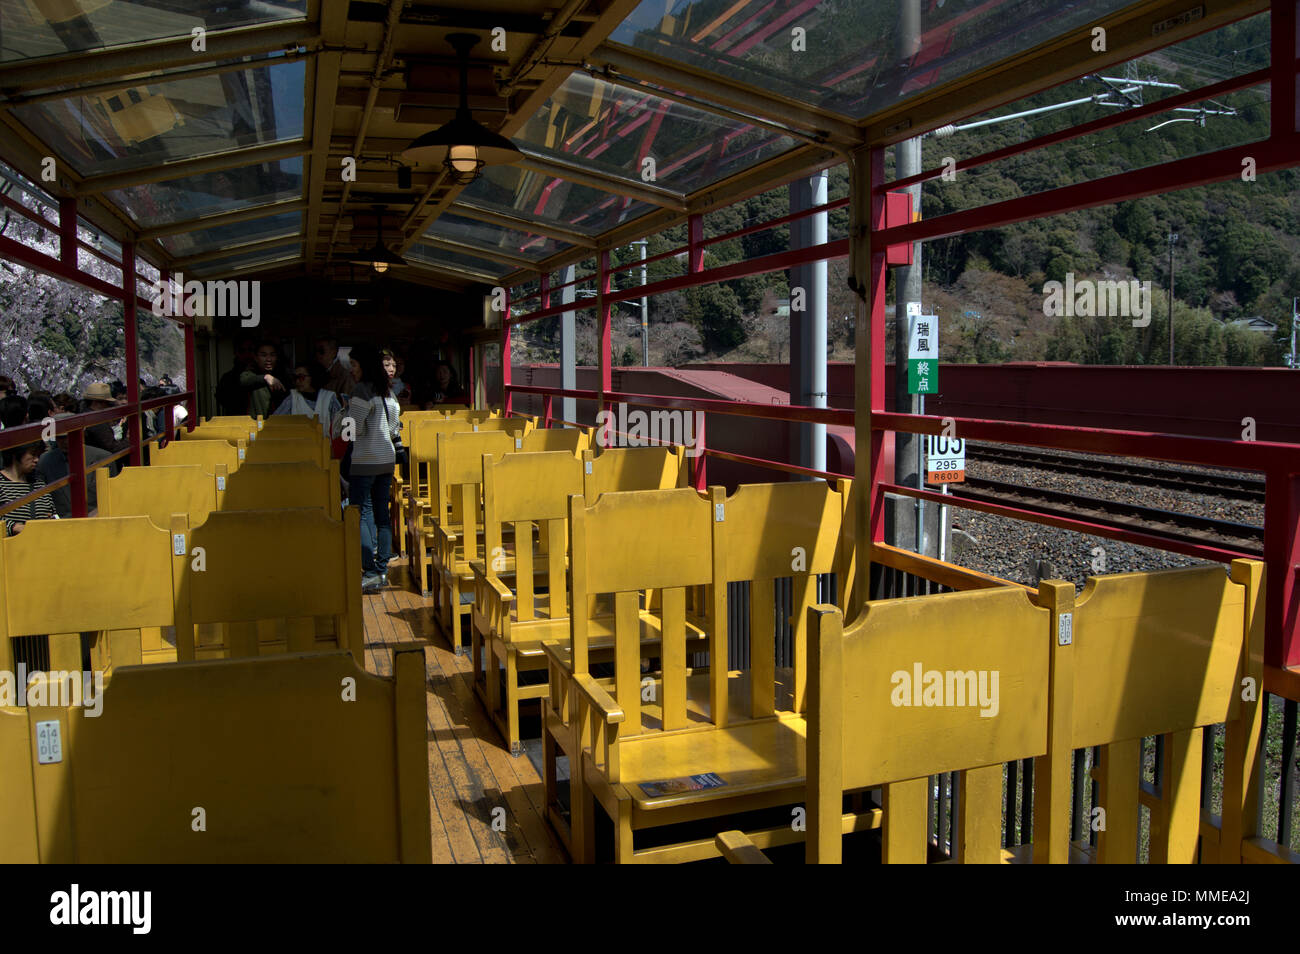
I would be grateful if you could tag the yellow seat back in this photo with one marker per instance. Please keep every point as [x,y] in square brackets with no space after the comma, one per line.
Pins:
[157,492]
[257,486]
[206,454]
[618,469]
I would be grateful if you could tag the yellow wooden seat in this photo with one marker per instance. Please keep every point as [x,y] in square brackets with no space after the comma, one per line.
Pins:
[251,760]
[205,453]
[158,492]
[1165,653]
[300,484]
[255,596]
[271,449]
[511,617]
[248,432]
[653,766]
[422,514]
[1137,654]
[544,440]
[458,475]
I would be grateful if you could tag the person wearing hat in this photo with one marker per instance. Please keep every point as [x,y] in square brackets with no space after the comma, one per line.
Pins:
[98,397]
[53,466]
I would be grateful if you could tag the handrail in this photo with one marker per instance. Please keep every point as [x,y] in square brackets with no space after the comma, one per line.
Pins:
[74,427]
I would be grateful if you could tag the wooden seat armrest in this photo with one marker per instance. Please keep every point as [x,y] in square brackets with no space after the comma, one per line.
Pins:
[610,710]
[739,850]
[483,579]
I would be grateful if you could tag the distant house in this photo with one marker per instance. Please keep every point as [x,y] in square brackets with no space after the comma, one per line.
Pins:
[1258,323]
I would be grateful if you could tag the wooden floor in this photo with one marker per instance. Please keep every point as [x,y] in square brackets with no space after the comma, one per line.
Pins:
[484,804]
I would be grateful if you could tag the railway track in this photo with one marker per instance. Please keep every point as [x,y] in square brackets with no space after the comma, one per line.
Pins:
[1242,537]
[1235,486]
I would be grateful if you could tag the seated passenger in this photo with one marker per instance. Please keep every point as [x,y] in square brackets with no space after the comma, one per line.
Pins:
[18,478]
[53,466]
[309,397]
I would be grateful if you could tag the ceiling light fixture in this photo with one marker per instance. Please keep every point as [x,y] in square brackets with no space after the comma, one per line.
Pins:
[462,146]
[378,256]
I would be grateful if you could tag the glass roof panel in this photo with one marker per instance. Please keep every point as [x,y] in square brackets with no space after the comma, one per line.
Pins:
[263,256]
[846,59]
[484,235]
[615,130]
[454,262]
[34,28]
[155,122]
[179,200]
[522,193]
[237,233]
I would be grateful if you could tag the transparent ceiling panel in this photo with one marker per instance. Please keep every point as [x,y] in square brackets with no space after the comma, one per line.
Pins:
[642,137]
[844,56]
[237,233]
[265,256]
[455,262]
[32,28]
[490,238]
[522,193]
[158,122]
[179,200]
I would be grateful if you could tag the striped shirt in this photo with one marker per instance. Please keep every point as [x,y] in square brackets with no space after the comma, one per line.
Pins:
[378,423]
[42,508]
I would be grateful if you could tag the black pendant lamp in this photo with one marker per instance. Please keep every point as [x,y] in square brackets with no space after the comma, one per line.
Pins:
[462,146]
[378,256]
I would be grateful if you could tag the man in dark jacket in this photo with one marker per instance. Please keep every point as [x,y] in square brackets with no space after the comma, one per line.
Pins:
[264,382]
[99,397]
[232,397]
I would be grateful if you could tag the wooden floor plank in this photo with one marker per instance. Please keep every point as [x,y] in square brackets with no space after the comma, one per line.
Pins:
[470,771]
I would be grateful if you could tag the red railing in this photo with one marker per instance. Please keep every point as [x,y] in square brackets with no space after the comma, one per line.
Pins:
[74,428]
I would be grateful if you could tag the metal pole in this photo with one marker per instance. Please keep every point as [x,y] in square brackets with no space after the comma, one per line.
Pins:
[1173,237]
[645,310]
[568,337]
[907,288]
[1295,316]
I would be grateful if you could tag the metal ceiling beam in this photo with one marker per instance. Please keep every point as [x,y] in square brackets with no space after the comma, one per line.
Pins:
[604,16]
[481,277]
[74,68]
[230,251]
[383,58]
[252,268]
[323,88]
[523,225]
[713,88]
[605,183]
[22,99]
[231,159]
[1129,34]
[223,218]
[628,83]
[505,258]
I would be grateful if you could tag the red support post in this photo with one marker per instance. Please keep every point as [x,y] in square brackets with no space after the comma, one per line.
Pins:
[882,448]
[130,341]
[68,234]
[695,243]
[507,397]
[77,471]
[603,310]
[191,381]
[1282,564]
[701,462]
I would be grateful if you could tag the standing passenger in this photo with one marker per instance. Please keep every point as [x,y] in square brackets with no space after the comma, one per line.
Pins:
[376,424]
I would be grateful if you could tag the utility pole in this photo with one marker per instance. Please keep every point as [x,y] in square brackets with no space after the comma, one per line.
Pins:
[1295,316]
[1173,237]
[645,310]
[907,515]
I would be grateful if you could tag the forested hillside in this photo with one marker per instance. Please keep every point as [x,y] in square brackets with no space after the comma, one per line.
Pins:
[1237,254]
